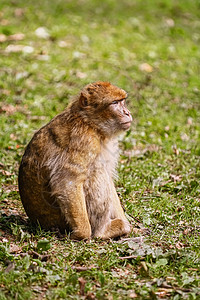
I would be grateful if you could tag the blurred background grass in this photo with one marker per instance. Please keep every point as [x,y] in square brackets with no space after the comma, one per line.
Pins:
[49,50]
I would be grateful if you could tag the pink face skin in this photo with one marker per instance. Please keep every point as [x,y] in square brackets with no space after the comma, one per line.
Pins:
[120,110]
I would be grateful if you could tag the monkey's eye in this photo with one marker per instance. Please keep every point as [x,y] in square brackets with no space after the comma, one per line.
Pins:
[118,101]
[115,102]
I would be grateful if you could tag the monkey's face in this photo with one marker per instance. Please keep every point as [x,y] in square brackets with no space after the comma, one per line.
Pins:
[120,115]
[105,106]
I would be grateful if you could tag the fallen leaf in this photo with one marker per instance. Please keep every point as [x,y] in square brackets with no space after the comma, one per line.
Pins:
[128,257]
[6,173]
[189,121]
[5,92]
[21,75]
[186,231]
[15,248]
[16,37]
[14,48]
[42,33]
[8,108]
[176,150]
[179,245]
[146,68]
[13,137]
[19,12]
[81,75]
[117,272]
[184,137]
[19,48]
[132,294]
[63,44]
[170,23]
[4,22]
[163,292]
[77,54]
[35,118]
[43,57]
[28,49]
[176,177]
[139,150]
[3,38]
[83,268]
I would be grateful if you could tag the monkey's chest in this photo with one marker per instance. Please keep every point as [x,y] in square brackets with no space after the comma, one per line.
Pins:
[98,192]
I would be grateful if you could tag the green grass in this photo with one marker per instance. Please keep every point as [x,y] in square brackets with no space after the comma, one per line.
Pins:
[159,169]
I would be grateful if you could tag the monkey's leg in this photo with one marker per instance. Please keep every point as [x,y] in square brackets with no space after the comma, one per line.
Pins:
[118,224]
[73,208]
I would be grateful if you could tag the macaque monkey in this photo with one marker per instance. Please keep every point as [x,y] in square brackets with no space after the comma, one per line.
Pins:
[66,173]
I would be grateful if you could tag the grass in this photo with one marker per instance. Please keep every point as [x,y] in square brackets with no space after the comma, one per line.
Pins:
[151,49]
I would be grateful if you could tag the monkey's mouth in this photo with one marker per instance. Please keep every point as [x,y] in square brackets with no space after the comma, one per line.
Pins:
[126,125]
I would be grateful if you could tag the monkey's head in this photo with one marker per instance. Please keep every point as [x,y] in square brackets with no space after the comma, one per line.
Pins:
[104,106]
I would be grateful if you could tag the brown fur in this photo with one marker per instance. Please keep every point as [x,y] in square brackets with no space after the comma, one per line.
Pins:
[66,173]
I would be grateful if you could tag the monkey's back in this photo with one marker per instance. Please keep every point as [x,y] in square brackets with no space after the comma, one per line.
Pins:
[33,179]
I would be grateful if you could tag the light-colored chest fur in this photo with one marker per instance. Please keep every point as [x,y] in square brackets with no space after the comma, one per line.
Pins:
[98,186]
[105,163]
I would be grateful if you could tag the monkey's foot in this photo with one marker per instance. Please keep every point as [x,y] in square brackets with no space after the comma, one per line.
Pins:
[116,228]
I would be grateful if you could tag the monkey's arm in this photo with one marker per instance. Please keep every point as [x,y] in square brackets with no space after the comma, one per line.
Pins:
[67,186]
[75,212]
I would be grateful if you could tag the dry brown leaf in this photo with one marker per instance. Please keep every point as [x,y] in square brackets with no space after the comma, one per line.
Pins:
[42,33]
[132,294]
[6,173]
[170,22]
[163,292]
[81,75]
[176,150]
[5,92]
[19,48]
[15,248]
[9,109]
[3,38]
[19,12]
[176,177]
[13,137]
[63,44]
[83,268]
[141,150]
[16,37]
[14,48]
[4,22]
[189,121]
[179,245]
[146,68]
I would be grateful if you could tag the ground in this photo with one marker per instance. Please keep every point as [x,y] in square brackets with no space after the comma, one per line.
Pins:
[48,51]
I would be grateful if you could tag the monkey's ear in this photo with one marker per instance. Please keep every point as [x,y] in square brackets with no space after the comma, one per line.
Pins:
[83,100]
